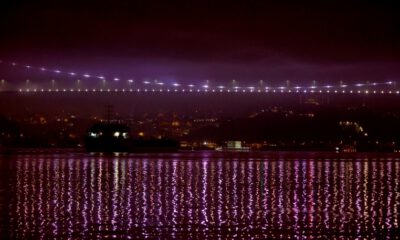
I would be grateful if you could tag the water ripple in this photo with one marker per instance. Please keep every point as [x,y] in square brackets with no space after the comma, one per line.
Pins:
[200,196]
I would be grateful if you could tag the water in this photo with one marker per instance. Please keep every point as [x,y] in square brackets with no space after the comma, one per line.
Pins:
[200,195]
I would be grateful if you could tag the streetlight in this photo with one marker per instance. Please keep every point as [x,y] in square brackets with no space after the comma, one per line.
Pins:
[287,83]
[27,83]
[261,84]
[314,84]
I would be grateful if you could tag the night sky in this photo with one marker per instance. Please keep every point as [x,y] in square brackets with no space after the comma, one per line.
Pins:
[190,41]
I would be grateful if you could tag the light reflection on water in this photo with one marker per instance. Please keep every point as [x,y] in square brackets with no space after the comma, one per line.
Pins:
[200,196]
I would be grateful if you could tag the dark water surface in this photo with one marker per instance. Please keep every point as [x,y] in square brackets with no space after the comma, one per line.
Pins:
[200,196]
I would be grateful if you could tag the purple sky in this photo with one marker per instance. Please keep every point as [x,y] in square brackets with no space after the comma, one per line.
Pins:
[198,40]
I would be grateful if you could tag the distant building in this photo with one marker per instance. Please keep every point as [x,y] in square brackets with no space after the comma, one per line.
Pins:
[236,146]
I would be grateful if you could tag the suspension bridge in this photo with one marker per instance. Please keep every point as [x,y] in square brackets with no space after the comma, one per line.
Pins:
[81,83]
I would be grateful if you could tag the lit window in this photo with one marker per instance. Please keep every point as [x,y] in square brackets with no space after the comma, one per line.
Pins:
[93,135]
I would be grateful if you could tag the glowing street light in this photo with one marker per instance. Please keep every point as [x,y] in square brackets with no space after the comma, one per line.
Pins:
[27,83]
[314,84]
[2,84]
[261,83]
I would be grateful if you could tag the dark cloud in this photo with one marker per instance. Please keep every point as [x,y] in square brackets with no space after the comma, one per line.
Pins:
[186,39]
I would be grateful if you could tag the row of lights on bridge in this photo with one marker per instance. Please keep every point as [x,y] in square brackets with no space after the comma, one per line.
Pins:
[131,81]
[213,91]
